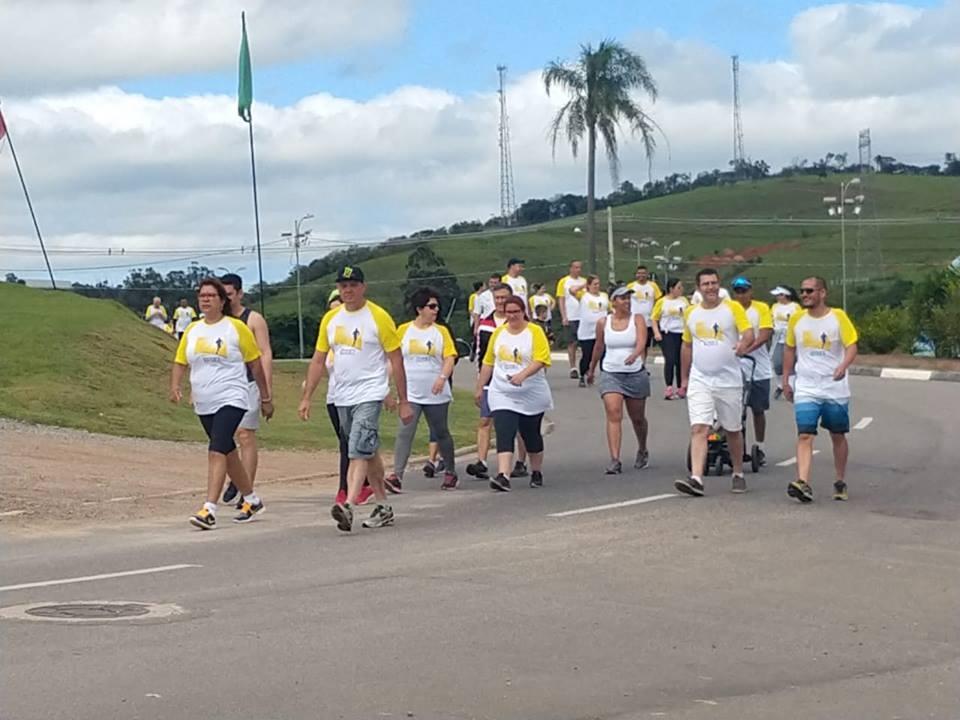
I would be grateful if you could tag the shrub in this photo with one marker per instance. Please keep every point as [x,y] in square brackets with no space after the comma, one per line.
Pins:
[945,325]
[884,329]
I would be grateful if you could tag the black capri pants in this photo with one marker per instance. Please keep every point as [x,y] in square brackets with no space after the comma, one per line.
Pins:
[221,426]
[508,423]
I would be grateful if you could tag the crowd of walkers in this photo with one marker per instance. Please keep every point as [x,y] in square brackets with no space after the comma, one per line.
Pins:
[720,354]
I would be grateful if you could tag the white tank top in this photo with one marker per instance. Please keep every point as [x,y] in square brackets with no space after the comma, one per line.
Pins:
[619,345]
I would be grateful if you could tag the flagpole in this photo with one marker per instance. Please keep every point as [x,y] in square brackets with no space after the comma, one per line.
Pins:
[26,194]
[245,110]
[256,214]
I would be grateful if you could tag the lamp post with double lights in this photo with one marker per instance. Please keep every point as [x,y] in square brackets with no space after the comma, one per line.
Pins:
[299,239]
[840,206]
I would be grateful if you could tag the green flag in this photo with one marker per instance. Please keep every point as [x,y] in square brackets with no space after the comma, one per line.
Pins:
[245,89]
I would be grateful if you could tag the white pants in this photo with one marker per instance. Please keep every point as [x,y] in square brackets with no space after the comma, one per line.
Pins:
[724,404]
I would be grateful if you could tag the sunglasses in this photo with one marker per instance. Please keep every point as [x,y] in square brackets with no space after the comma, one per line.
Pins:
[739,290]
[807,291]
[432,306]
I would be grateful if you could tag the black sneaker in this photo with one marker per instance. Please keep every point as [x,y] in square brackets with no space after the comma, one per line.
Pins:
[614,468]
[519,470]
[689,486]
[581,383]
[801,491]
[574,375]
[840,490]
[248,512]
[536,479]
[393,484]
[230,493]
[478,470]
[381,516]
[440,467]
[501,483]
[777,393]
[204,519]
[429,469]
[343,514]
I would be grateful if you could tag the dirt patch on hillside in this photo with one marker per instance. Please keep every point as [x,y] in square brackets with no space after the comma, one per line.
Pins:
[729,256]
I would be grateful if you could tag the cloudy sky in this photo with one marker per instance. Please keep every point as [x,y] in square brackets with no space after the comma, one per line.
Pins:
[380,116]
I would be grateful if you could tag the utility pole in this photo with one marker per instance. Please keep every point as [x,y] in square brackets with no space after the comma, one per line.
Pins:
[299,239]
[508,200]
[611,263]
[739,158]
[839,207]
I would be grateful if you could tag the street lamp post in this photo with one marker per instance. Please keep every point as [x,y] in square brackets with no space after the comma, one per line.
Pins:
[667,262]
[835,207]
[299,239]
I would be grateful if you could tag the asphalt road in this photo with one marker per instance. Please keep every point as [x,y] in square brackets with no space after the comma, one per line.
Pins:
[481,605]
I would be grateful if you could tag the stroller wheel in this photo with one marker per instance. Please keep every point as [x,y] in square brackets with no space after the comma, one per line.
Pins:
[755,459]
[718,465]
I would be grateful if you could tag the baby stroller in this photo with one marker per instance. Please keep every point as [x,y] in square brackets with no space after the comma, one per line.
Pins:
[718,449]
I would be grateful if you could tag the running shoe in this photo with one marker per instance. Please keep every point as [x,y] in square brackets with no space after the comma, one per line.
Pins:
[614,468]
[440,466]
[343,514]
[341,498]
[840,490]
[668,393]
[366,492]
[778,393]
[429,469]
[501,483]
[739,484]
[643,459]
[582,383]
[574,375]
[681,394]
[381,516]
[801,491]
[204,519]
[536,479]
[248,512]
[478,470]
[229,493]
[394,486]
[519,470]
[689,486]
[450,481]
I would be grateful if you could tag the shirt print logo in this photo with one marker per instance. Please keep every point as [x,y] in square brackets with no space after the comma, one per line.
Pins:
[712,333]
[509,355]
[344,337]
[819,342]
[418,347]
[205,347]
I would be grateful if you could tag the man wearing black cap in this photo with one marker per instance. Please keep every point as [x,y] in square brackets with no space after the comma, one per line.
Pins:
[362,337]
[513,278]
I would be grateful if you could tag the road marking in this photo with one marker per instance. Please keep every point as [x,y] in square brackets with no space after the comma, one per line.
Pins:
[12,513]
[905,374]
[613,506]
[863,424]
[90,578]
[793,461]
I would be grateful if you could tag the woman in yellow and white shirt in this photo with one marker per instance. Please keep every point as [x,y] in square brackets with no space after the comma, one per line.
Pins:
[429,354]
[594,305]
[667,320]
[518,394]
[786,306]
[218,350]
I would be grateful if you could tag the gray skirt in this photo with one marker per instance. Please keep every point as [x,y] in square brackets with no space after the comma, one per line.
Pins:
[632,385]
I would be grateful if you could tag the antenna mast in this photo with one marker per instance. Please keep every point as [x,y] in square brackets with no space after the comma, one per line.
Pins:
[508,200]
[739,157]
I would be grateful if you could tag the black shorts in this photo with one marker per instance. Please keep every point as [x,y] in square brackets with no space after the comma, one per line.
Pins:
[759,398]
[221,426]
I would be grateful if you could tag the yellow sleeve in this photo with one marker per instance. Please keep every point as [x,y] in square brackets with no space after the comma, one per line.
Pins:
[791,336]
[180,358]
[530,303]
[323,342]
[402,329]
[541,347]
[449,346]
[562,286]
[552,303]
[386,329]
[163,311]
[657,309]
[657,292]
[848,333]
[766,317]
[687,337]
[488,357]
[193,314]
[471,301]
[248,343]
[146,313]
[740,318]
[503,279]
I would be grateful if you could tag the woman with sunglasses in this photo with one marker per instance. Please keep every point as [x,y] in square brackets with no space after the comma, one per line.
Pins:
[429,354]
[514,366]
[218,350]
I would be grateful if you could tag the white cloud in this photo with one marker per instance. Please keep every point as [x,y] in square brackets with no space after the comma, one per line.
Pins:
[62,44]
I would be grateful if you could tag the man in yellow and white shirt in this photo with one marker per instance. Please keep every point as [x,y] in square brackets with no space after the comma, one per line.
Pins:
[567,288]
[757,360]
[646,292]
[183,315]
[156,314]
[821,344]
[716,334]
[362,338]
[514,278]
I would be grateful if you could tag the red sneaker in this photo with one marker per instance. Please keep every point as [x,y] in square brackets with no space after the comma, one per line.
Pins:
[393,484]
[668,393]
[681,393]
[366,492]
[341,498]
[450,481]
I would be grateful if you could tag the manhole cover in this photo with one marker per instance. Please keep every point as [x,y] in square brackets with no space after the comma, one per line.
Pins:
[96,611]
[90,611]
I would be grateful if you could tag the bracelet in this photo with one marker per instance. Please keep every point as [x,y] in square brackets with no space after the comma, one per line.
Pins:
[266,400]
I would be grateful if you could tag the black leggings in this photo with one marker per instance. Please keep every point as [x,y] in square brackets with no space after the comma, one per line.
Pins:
[508,423]
[586,354]
[221,426]
[672,342]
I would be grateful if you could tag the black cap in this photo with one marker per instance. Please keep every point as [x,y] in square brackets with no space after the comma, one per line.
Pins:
[350,273]
[516,261]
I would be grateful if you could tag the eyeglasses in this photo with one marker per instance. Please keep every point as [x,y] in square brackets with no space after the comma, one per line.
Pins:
[739,290]
[209,296]
[432,306]
[807,291]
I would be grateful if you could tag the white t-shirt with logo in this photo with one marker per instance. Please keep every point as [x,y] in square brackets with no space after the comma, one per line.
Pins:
[424,350]
[509,354]
[592,308]
[182,317]
[697,296]
[714,334]
[820,344]
[484,304]
[518,284]
[759,316]
[156,315]
[217,355]
[782,312]
[571,303]
[542,300]
[643,299]
[359,341]
[668,312]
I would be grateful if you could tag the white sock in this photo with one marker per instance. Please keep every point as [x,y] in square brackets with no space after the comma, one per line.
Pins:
[211,508]
[696,477]
[251,498]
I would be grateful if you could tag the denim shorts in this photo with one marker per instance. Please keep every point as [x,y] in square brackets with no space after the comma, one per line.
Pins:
[832,415]
[360,424]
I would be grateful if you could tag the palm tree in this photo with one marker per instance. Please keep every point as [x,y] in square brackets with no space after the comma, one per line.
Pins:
[599,86]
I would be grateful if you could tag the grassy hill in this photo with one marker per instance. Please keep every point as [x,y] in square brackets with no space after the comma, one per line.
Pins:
[789,237]
[74,362]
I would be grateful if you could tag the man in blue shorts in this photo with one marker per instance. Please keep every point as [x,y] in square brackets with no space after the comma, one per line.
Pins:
[822,343]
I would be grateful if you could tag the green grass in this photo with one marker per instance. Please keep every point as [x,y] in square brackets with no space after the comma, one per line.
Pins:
[906,250]
[90,364]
